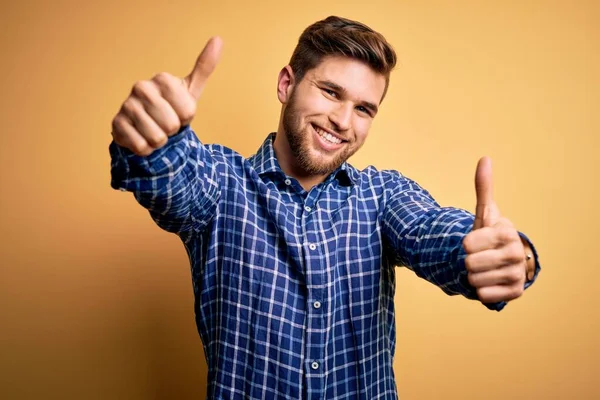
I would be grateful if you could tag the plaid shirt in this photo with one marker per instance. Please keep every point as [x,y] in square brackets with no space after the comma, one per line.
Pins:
[294,290]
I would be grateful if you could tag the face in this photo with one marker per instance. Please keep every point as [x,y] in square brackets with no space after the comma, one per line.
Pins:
[327,115]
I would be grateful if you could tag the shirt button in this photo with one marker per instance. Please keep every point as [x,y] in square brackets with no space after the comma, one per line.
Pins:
[288,182]
[314,365]
[317,304]
[312,246]
[308,209]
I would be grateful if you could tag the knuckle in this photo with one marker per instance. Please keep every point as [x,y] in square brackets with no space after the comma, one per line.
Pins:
[141,149]
[467,242]
[118,139]
[136,148]
[138,87]
[161,142]
[515,253]
[143,90]
[469,263]
[516,291]
[130,106]
[162,77]
[114,125]
[171,126]
[516,275]
[165,82]
[482,294]
[473,281]
[158,140]
[506,234]
[188,110]
[117,125]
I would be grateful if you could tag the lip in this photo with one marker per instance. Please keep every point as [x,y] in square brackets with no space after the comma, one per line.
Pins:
[330,132]
[325,144]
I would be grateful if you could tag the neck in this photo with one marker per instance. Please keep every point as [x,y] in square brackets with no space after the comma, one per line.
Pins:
[288,163]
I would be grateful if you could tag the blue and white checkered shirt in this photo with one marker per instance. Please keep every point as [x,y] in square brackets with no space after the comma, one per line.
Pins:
[294,290]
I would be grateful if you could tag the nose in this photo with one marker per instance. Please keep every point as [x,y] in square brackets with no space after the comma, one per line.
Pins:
[341,116]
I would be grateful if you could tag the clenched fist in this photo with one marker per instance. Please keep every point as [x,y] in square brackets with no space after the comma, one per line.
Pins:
[159,107]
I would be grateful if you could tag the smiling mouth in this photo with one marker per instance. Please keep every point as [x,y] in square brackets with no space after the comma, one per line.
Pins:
[327,136]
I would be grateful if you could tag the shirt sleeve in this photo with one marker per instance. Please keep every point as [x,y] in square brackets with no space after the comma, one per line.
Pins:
[177,183]
[428,238]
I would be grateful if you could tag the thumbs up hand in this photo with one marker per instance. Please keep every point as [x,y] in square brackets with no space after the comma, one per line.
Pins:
[159,107]
[496,261]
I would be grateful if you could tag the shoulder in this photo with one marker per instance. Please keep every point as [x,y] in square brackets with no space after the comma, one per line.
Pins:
[371,178]
[224,152]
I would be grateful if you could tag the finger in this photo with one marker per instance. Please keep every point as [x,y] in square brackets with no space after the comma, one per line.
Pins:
[125,135]
[486,211]
[489,238]
[144,125]
[494,294]
[483,182]
[175,92]
[157,107]
[492,259]
[514,273]
[205,65]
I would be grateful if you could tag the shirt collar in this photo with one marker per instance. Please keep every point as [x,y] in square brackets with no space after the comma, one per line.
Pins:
[265,162]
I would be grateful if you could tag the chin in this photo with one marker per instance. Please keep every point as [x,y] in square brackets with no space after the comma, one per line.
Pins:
[318,163]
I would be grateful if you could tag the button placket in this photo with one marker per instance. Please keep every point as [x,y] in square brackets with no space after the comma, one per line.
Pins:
[315,335]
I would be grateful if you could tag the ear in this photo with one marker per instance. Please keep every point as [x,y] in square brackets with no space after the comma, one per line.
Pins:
[285,84]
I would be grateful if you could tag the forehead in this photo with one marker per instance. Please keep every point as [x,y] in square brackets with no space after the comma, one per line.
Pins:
[358,79]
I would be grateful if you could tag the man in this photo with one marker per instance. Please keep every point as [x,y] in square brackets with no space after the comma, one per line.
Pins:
[293,250]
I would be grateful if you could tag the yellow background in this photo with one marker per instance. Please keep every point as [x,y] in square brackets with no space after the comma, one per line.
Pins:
[96,301]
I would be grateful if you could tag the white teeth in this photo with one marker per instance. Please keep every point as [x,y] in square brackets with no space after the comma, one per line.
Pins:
[327,136]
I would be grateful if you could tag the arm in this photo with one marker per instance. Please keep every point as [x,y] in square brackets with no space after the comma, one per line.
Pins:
[428,239]
[166,167]
[176,183]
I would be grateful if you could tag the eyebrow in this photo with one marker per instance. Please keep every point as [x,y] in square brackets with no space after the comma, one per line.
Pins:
[338,88]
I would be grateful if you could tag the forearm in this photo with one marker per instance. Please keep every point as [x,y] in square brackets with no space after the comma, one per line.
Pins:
[441,254]
[433,249]
[172,183]
[428,239]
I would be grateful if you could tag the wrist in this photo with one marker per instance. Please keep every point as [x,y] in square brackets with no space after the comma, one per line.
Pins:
[529,260]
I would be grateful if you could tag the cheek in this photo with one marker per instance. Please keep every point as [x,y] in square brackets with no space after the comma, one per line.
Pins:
[311,108]
[316,103]
[361,129]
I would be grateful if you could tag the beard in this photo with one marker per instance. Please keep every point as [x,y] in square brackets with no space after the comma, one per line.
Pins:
[299,141]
